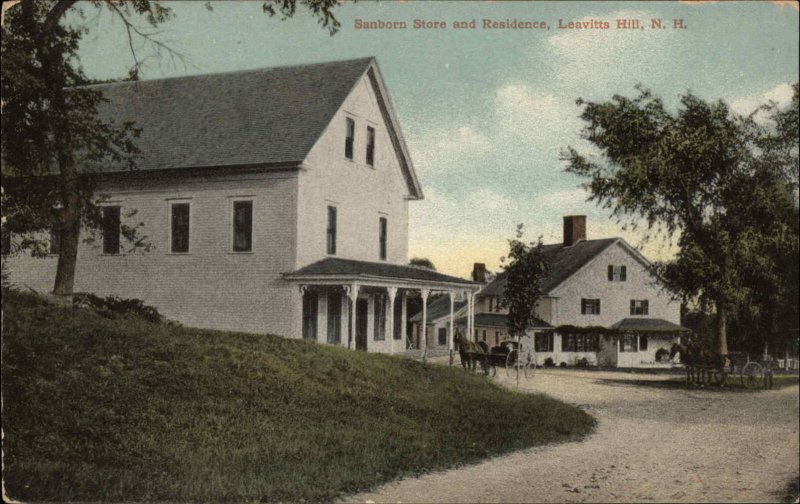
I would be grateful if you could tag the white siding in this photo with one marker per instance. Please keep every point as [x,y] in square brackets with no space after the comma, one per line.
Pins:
[592,282]
[211,286]
[361,193]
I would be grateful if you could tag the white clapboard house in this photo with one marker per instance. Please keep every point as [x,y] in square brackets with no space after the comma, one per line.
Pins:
[276,201]
[603,302]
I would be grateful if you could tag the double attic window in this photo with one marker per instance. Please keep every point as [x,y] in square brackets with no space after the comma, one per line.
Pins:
[350,141]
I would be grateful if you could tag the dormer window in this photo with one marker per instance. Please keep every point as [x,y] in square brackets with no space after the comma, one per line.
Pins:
[350,139]
[370,146]
[616,273]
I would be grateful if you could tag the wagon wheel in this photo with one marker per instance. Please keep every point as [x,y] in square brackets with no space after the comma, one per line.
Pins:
[512,363]
[752,375]
[529,367]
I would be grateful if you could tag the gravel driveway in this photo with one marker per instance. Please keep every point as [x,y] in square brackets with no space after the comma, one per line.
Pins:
[651,444]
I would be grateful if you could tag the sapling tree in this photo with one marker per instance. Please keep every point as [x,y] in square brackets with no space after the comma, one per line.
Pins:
[525,267]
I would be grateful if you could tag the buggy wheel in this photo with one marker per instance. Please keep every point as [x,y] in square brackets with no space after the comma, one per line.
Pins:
[529,368]
[752,375]
[513,363]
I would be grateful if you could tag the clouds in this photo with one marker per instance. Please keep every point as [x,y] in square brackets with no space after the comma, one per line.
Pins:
[780,94]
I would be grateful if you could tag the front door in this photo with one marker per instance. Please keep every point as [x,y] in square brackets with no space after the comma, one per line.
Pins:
[362,308]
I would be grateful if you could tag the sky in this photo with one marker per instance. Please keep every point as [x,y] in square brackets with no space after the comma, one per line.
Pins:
[486,112]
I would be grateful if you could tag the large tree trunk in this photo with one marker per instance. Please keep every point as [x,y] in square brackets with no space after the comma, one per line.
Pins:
[722,330]
[70,236]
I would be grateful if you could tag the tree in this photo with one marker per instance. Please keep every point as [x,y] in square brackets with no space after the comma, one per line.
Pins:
[53,141]
[422,262]
[525,270]
[718,181]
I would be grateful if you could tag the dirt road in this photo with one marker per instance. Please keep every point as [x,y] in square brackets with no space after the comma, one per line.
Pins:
[651,444]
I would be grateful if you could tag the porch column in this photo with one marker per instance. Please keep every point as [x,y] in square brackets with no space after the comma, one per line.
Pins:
[452,327]
[352,293]
[392,292]
[404,321]
[424,294]
[470,320]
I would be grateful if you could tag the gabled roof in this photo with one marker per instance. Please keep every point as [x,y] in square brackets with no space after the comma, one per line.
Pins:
[438,308]
[265,117]
[340,268]
[564,262]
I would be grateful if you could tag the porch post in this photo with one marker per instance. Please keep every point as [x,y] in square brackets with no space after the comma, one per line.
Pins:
[471,313]
[352,293]
[452,328]
[404,321]
[392,291]
[424,294]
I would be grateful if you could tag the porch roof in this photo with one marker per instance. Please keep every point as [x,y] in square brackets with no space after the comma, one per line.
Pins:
[501,320]
[349,270]
[647,325]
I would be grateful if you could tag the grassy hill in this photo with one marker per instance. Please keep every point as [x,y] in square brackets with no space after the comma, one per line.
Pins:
[98,408]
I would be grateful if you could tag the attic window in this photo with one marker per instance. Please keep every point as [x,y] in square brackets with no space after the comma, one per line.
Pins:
[616,273]
[350,140]
[370,146]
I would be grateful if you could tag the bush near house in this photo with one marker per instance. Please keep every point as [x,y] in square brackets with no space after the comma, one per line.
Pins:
[122,409]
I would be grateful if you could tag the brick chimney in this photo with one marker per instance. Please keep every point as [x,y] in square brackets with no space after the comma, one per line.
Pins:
[574,229]
[479,272]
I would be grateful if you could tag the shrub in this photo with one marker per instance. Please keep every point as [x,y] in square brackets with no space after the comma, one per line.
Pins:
[549,362]
[112,306]
[582,362]
[662,354]
[563,364]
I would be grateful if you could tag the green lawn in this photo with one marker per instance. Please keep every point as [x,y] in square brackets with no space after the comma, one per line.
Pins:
[122,409]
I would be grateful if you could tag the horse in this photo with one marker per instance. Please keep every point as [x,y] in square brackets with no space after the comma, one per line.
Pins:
[700,362]
[466,350]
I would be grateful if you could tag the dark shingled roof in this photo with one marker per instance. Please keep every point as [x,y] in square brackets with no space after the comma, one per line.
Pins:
[439,307]
[501,320]
[254,117]
[564,262]
[333,266]
[647,325]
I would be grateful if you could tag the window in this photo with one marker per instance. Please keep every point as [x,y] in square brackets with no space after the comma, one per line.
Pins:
[350,140]
[497,337]
[55,241]
[543,342]
[442,336]
[310,315]
[331,232]
[242,226]
[616,273]
[628,343]
[579,343]
[6,242]
[398,315]
[334,318]
[379,319]
[590,306]
[111,222]
[370,146]
[639,307]
[642,343]
[382,237]
[484,335]
[180,227]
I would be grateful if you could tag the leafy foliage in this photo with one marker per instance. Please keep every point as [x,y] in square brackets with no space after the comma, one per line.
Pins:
[525,269]
[112,306]
[422,262]
[724,184]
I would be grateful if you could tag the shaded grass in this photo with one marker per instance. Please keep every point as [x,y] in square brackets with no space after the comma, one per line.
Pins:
[123,409]
[733,384]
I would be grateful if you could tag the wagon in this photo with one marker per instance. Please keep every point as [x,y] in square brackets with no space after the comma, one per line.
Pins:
[752,374]
[507,355]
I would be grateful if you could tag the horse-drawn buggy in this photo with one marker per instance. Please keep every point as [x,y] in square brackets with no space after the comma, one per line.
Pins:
[514,356]
[708,366]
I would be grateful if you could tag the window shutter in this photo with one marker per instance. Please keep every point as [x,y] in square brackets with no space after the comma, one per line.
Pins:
[583,307]
[622,276]
[598,307]
[610,273]
[633,307]
[645,307]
